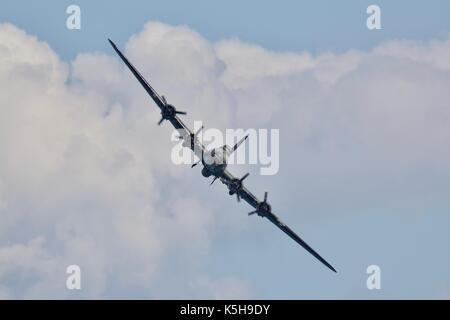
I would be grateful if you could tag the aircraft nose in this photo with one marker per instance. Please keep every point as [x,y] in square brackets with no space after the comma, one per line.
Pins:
[208,159]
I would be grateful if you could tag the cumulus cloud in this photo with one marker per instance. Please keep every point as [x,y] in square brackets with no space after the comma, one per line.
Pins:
[86,177]
[80,183]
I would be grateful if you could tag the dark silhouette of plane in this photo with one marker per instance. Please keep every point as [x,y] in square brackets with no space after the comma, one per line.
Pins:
[215,161]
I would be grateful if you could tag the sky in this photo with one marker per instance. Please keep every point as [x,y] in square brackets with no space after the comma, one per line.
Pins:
[86,176]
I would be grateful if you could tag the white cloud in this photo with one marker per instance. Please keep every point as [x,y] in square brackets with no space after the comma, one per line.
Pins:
[433,52]
[79,174]
[86,178]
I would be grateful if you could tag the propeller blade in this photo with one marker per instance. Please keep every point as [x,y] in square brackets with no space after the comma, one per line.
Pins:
[245,176]
[250,213]
[198,131]
[238,197]
[238,144]
[215,178]
[202,160]
[195,164]
[160,121]
[265,196]
[180,112]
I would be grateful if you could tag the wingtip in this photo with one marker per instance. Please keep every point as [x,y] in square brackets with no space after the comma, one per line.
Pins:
[111,42]
[331,268]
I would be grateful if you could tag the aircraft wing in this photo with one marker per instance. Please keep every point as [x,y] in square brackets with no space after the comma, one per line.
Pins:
[276,221]
[176,122]
[160,102]
[155,96]
[245,194]
[198,150]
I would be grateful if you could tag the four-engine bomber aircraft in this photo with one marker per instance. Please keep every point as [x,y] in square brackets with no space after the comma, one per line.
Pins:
[215,161]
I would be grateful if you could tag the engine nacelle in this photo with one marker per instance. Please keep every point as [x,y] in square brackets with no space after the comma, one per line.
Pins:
[206,173]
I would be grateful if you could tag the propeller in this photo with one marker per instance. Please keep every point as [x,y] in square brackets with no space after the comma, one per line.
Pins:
[193,138]
[263,207]
[201,160]
[236,185]
[168,111]
[214,180]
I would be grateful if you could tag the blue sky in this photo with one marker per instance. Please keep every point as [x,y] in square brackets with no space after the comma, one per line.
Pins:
[385,206]
[290,25]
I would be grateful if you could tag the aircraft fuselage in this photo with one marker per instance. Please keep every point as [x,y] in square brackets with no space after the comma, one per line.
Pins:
[215,161]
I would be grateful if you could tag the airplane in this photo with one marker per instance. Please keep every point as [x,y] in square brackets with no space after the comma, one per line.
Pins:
[215,161]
